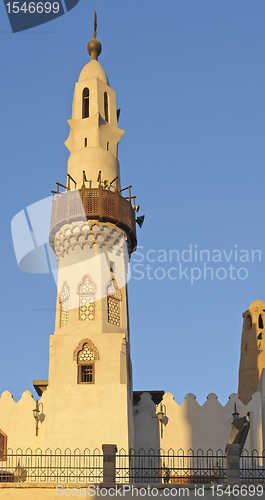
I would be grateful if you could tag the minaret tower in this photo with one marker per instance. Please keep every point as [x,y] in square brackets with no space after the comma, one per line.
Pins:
[89,393]
[252,360]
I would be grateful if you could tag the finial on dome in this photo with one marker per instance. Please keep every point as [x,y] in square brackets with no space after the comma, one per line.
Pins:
[94,46]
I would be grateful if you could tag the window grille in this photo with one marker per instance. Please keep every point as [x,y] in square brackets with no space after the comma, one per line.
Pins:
[64,304]
[86,367]
[87,290]
[114,303]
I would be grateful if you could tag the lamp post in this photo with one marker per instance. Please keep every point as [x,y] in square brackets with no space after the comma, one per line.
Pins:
[160,416]
[36,415]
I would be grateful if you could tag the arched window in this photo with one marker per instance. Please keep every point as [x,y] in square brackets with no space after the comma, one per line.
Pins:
[86,354]
[86,290]
[114,303]
[260,321]
[260,336]
[85,105]
[248,322]
[106,106]
[64,304]
[3,445]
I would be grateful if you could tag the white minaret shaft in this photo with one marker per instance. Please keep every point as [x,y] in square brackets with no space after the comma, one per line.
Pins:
[89,394]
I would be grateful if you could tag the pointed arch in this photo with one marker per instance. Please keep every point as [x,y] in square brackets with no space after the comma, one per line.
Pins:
[64,304]
[86,290]
[85,103]
[248,322]
[91,346]
[260,321]
[114,298]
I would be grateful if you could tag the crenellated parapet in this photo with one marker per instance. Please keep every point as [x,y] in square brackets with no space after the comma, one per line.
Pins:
[18,423]
[194,426]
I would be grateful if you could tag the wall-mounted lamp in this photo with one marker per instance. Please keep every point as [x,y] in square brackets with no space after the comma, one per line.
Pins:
[235,415]
[160,415]
[36,415]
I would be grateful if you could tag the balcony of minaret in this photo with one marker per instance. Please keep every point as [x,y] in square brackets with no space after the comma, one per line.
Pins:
[104,203]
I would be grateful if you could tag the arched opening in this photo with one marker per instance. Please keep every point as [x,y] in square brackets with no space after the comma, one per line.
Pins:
[3,446]
[248,322]
[85,106]
[260,321]
[86,354]
[106,106]
[260,336]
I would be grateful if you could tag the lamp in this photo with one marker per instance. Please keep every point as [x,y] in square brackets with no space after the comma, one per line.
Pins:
[36,415]
[235,415]
[160,415]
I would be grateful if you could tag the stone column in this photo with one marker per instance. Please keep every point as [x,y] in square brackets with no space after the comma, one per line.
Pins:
[109,462]
[232,460]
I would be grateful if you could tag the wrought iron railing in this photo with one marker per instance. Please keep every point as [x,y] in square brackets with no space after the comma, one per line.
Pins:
[170,467]
[56,467]
[252,467]
[61,467]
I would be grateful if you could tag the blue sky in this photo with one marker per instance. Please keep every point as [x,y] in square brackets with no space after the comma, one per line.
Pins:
[189,79]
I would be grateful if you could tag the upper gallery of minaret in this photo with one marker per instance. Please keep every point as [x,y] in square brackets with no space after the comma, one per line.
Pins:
[93,178]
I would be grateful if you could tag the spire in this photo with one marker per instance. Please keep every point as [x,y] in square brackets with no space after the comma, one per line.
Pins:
[94,46]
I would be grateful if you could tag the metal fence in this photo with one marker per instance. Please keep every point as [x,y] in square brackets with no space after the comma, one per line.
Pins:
[55,467]
[170,467]
[150,466]
[252,467]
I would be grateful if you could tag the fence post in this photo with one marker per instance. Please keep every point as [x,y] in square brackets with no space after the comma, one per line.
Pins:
[232,460]
[109,462]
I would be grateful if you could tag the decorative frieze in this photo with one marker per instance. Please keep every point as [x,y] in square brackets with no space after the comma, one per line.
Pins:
[103,235]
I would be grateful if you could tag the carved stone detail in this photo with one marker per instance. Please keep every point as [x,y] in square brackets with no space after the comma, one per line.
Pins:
[91,346]
[104,235]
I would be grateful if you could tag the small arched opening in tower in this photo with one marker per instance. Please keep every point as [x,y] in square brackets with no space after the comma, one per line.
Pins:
[85,106]
[106,106]
[260,321]
[248,322]
[3,446]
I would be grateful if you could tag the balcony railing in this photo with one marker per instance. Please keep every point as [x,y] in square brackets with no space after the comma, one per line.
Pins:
[93,203]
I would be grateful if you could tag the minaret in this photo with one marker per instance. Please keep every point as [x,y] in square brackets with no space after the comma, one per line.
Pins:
[89,393]
[252,360]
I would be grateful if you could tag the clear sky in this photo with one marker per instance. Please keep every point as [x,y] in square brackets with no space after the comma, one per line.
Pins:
[189,79]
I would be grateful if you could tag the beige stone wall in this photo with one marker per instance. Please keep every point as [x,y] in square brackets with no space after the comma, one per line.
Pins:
[40,492]
[18,423]
[191,425]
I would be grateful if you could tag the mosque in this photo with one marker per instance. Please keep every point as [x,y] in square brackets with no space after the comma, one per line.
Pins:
[88,399]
